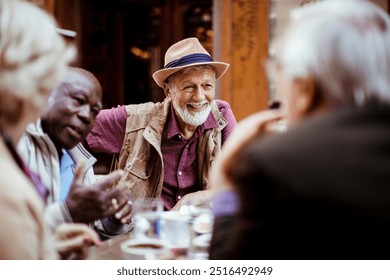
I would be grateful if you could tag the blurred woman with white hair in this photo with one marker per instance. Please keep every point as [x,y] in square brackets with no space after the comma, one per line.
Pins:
[320,190]
[33,60]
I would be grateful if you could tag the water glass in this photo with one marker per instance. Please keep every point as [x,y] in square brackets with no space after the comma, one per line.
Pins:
[146,218]
[200,228]
[174,227]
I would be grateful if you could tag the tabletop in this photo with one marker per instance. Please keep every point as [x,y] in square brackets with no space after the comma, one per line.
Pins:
[111,250]
[186,235]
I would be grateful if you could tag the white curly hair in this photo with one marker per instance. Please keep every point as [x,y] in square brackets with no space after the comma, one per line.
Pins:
[33,58]
[344,45]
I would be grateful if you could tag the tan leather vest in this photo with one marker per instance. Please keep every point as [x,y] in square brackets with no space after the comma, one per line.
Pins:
[141,153]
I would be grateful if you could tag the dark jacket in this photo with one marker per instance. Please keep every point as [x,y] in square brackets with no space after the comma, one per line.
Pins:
[320,191]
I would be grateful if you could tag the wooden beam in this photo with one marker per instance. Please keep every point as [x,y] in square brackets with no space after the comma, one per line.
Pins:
[241,38]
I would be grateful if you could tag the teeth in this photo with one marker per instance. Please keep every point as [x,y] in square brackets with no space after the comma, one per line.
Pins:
[196,105]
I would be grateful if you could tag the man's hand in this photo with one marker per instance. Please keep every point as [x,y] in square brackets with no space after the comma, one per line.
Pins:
[247,130]
[195,198]
[124,213]
[89,203]
[72,241]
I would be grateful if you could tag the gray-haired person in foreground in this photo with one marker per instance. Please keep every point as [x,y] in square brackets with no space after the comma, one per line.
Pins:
[321,189]
[33,61]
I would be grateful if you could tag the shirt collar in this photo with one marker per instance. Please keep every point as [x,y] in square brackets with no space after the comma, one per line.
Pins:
[173,125]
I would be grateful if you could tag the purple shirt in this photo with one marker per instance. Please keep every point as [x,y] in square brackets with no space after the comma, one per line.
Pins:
[110,126]
[179,155]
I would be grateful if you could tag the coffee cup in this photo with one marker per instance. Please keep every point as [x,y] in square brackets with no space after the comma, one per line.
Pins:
[144,248]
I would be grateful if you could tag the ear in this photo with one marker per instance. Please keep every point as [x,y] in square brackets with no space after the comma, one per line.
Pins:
[305,99]
[166,89]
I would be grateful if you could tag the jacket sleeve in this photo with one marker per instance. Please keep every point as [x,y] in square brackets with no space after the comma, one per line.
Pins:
[107,227]
[19,235]
[22,233]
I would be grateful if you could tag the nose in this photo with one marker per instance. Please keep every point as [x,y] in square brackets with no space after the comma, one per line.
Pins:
[199,94]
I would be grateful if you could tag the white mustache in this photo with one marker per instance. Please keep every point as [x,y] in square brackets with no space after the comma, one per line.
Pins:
[198,105]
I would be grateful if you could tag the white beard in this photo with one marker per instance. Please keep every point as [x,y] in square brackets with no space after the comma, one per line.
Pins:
[194,119]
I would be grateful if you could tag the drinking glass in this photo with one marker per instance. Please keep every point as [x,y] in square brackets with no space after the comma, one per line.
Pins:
[146,218]
[175,230]
[200,228]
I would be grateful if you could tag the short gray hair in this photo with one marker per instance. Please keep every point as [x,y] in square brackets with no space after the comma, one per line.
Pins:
[33,58]
[344,46]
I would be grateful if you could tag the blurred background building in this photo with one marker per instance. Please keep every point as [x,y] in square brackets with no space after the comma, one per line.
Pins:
[123,42]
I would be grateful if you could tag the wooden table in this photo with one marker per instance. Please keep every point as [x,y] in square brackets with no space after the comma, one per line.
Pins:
[111,250]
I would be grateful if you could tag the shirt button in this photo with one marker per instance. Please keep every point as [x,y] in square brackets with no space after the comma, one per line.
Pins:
[179,197]
[180,173]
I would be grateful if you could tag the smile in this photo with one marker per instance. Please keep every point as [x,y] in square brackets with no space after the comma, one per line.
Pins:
[197,107]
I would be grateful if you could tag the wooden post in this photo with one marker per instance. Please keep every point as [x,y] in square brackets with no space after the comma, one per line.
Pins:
[241,31]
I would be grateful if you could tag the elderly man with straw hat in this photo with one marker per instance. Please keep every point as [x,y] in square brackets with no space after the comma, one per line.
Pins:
[167,148]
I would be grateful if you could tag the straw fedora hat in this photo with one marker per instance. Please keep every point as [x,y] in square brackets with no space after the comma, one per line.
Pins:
[185,53]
